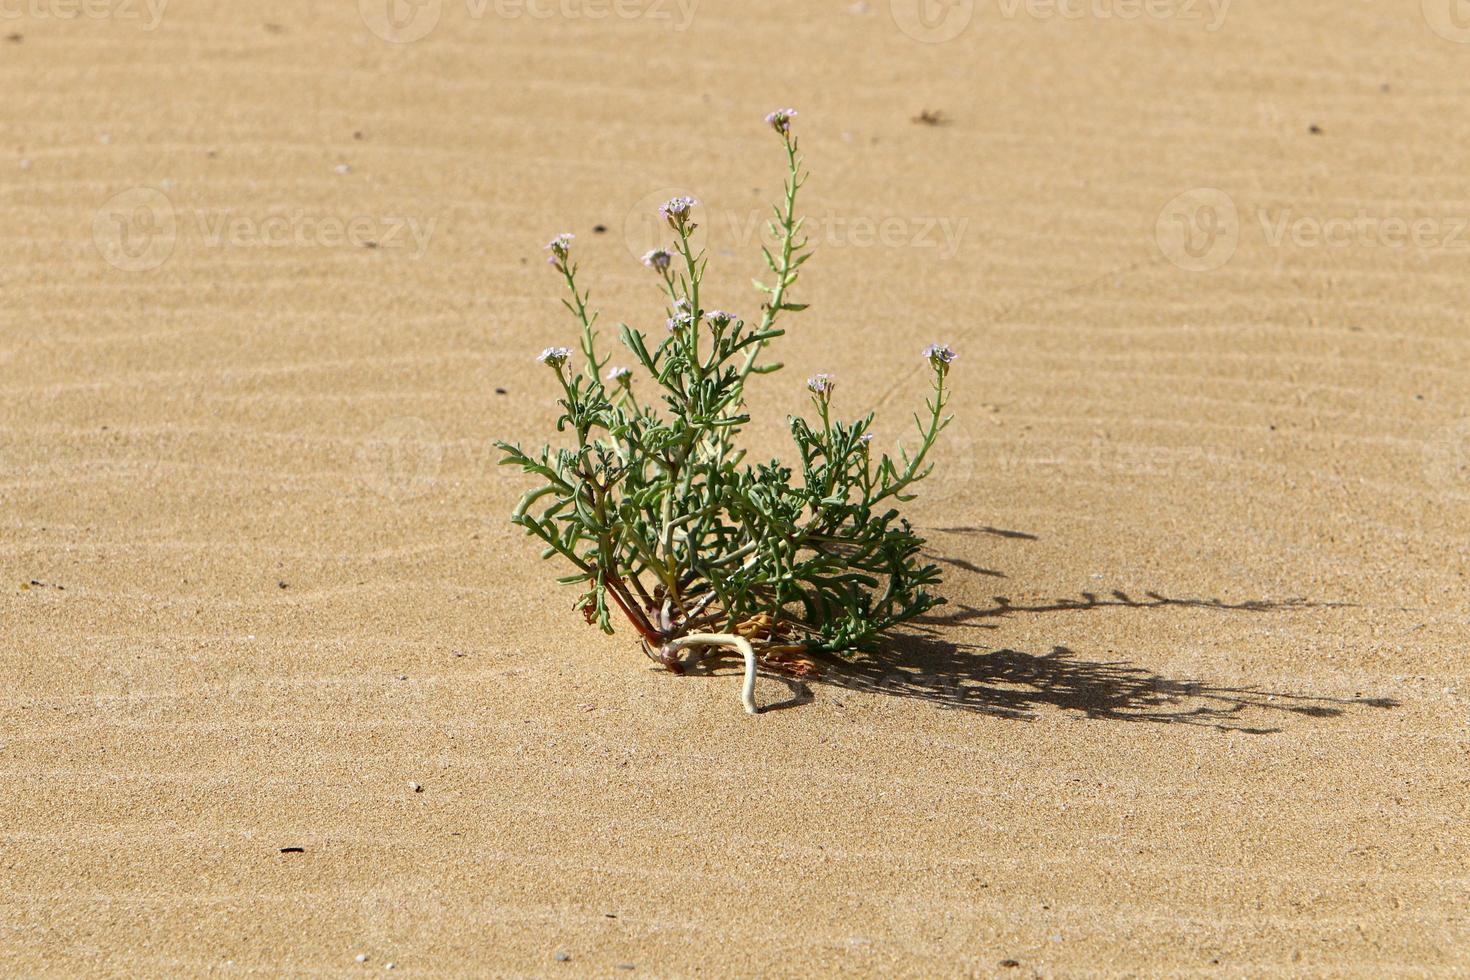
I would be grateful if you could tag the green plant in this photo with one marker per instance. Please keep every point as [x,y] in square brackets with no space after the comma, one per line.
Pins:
[659,515]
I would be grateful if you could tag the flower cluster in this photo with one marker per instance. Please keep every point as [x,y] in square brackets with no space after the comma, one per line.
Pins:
[559,247]
[620,376]
[676,213]
[780,120]
[821,385]
[658,260]
[554,356]
[939,355]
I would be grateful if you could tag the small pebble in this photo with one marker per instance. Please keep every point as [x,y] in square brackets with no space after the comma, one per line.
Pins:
[390,966]
[415,787]
[343,168]
[563,957]
[25,165]
[105,138]
[362,957]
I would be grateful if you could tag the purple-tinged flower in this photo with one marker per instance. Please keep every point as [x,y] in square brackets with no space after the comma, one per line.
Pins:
[865,438]
[821,385]
[680,321]
[676,211]
[940,355]
[555,356]
[620,376]
[719,319]
[559,246]
[658,260]
[780,120]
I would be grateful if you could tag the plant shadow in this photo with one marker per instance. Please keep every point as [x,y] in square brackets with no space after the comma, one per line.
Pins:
[1018,685]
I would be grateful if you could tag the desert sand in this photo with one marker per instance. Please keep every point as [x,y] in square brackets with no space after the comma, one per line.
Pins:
[273,283]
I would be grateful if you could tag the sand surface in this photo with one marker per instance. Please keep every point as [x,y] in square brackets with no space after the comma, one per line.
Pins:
[1198,706]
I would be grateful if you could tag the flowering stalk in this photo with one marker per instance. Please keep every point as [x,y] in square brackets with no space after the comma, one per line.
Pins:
[657,513]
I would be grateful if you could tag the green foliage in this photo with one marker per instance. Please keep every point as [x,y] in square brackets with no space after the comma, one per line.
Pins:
[653,507]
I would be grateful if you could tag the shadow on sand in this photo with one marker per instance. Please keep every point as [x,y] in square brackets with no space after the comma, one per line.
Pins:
[927,664]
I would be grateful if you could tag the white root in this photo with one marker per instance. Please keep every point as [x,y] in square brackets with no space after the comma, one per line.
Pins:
[747,693]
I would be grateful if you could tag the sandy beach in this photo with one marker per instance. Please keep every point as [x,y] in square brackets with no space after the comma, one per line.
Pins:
[286,694]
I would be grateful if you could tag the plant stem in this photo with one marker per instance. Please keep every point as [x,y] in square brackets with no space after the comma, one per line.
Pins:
[740,643]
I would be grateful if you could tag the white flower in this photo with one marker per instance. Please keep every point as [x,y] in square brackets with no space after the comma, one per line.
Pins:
[821,385]
[940,355]
[620,375]
[676,210]
[658,259]
[780,120]
[554,356]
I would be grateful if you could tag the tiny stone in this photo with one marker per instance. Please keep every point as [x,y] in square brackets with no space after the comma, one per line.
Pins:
[344,168]
[562,957]
[25,165]
[415,787]
[362,957]
[104,139]
[390,966]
